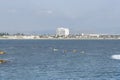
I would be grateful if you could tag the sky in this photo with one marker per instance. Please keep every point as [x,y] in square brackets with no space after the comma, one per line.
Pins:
[44,16]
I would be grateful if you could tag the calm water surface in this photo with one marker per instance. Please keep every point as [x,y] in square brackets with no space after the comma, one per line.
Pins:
[60,60]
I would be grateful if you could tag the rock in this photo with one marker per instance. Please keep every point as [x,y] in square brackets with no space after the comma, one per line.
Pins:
[74,51]
[2,61]
[64,51]
[2,52]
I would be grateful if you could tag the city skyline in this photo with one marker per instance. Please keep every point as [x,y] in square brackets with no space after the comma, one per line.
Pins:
[44,16]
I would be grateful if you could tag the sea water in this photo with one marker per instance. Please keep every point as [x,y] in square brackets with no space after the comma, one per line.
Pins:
[60,60]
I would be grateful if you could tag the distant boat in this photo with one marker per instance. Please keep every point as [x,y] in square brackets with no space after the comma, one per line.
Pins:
[55,49]
[116,57]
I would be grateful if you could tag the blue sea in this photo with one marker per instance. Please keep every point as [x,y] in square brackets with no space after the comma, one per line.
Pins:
[60,60]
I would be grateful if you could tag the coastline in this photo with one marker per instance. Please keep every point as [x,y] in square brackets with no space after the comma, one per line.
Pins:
[59,39]
[34,37]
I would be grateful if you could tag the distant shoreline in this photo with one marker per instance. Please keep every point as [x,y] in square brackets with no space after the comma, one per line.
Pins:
[48,37]
[58,39]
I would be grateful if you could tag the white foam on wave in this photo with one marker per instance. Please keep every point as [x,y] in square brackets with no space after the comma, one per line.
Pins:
[116,56]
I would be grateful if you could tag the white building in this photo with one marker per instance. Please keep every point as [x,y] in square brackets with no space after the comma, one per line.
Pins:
[62,32]
[94,35]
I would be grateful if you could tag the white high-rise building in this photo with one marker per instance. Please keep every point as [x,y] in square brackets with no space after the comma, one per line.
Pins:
[62,32]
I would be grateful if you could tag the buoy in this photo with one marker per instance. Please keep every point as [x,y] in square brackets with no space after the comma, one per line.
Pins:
[2,52]
[2,61]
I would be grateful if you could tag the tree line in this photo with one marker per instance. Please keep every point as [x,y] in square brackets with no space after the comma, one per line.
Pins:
[7,34]
[4,34]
